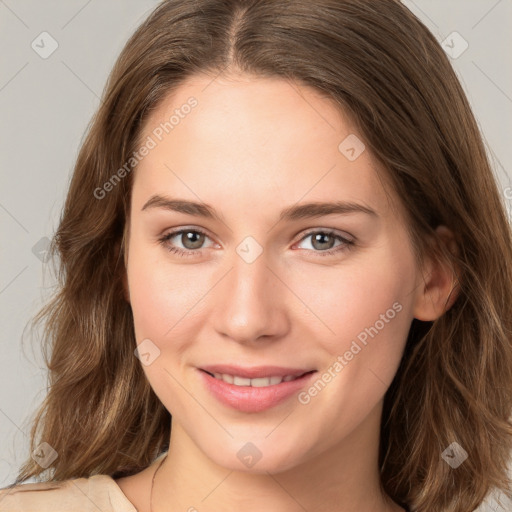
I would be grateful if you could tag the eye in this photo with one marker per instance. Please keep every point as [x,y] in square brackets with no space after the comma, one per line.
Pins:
[191,239]
[323,240]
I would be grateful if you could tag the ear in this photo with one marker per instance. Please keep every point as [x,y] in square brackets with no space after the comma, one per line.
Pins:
[439,287]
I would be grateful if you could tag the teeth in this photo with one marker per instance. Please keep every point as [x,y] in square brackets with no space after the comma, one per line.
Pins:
[255,383]
[240,381]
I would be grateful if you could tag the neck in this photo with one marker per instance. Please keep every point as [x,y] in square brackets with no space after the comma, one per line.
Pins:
[342,479]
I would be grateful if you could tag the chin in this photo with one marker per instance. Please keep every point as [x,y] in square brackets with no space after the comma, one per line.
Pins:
[249,458]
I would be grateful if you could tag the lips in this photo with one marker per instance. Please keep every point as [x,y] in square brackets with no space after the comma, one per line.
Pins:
[258,382]
[253,389]
[255,372]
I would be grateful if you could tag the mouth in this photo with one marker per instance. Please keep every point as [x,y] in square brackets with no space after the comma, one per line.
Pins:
[256,389]
[257,382]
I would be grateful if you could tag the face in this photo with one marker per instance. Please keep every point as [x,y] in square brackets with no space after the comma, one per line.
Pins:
[256,279]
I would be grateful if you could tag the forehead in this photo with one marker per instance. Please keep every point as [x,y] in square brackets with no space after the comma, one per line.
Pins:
[255,141]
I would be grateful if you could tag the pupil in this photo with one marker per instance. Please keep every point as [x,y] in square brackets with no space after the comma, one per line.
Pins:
[193,240]
[320,237]
[189,242]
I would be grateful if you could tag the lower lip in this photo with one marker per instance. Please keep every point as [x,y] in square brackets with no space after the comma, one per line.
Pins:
[252,399]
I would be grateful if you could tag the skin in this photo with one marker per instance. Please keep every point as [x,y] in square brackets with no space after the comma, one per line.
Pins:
[251,148]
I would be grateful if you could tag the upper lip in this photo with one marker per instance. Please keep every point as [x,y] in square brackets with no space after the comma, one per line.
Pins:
[255,372]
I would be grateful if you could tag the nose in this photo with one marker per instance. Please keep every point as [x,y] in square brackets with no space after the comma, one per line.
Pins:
[250,303]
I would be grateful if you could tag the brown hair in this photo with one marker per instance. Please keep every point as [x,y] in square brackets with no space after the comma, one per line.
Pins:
[383,67]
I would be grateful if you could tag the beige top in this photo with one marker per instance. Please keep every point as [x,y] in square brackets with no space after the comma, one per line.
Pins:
[98,493]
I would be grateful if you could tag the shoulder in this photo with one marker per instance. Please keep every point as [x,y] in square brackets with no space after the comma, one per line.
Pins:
[98,492]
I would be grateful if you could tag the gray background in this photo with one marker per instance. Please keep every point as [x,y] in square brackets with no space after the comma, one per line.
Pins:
[47,103]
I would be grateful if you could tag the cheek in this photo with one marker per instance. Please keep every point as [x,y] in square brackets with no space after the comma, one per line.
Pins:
[160,294]
[149,297]
[161,303]
[358,297]
[370,313]
[367,309]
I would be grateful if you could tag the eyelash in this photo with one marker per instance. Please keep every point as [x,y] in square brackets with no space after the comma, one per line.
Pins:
[345,246]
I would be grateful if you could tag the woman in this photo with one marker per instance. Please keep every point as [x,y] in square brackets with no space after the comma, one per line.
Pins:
[235,139]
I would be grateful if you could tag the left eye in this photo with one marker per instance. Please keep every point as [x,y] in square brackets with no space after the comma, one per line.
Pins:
[193,239]
[323,242]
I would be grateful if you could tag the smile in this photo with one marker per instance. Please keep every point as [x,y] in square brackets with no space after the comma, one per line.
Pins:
[254,394]
[255,383]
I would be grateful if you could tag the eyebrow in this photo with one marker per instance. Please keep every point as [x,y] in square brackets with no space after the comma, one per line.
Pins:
[296,212]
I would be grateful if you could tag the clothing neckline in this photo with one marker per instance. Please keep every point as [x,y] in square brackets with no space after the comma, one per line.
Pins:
[122,496]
